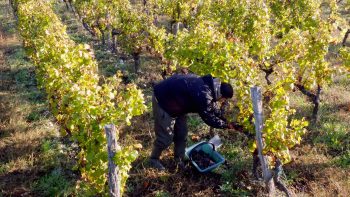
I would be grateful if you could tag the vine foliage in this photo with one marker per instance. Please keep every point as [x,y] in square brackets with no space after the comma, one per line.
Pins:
[79,103]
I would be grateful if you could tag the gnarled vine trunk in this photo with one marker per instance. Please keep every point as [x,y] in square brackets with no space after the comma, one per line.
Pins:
[315,99]
[346,37]
[137,61]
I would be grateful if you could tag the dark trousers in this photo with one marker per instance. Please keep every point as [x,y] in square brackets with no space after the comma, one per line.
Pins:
[168,130]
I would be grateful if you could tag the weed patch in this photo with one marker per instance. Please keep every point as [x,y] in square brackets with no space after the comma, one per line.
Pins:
[53,184]
[344,160]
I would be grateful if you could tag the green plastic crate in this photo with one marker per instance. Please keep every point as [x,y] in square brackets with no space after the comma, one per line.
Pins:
[209,149]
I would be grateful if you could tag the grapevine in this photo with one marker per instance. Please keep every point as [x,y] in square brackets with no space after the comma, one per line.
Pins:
[68,73]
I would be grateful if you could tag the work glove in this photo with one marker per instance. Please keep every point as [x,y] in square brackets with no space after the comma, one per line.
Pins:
[237,127]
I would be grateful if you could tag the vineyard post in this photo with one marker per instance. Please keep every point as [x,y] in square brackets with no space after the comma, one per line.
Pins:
[109,32]
[175,27]
[113,170]
[258,116]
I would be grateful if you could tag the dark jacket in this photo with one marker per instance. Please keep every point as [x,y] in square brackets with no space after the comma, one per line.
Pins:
[182,94]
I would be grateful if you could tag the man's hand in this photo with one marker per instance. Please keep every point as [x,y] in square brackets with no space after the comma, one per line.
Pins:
[235,126]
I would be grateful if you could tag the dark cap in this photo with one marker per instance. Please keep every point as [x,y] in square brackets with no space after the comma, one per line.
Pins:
[226,90]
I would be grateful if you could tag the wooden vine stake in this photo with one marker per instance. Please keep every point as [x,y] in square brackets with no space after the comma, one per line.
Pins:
[258,116]
[113,170]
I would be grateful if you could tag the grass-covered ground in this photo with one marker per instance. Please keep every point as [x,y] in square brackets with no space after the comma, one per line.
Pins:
[35,159]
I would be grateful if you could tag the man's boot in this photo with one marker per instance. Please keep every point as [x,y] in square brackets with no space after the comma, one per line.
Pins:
[180,164]
[154,159]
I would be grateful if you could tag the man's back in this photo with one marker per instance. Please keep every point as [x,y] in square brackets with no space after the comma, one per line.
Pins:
[180,94]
